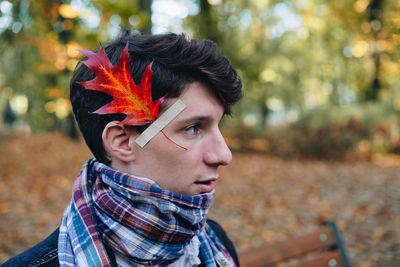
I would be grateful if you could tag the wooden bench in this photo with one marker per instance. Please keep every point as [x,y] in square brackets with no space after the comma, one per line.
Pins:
[323,247]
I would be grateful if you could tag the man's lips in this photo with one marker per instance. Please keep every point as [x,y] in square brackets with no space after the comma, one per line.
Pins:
[206,181]
[206,185]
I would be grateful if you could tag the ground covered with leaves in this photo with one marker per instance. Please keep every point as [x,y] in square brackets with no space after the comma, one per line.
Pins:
[259,198]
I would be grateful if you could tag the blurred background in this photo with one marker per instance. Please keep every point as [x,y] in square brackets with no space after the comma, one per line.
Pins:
[316,136]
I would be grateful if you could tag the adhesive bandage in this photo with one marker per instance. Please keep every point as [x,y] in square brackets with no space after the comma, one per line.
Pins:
[160,123]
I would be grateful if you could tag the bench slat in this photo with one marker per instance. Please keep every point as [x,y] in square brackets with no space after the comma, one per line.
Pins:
[330,258]
[272,253]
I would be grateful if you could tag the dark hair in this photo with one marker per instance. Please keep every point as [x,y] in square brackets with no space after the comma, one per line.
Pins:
[177,62]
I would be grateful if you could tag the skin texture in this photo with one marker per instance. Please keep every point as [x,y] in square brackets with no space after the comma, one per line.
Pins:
[188,172]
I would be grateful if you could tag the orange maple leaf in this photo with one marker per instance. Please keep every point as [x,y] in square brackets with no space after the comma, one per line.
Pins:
[135,101]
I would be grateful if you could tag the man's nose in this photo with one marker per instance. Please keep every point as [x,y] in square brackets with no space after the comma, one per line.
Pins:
[218,152]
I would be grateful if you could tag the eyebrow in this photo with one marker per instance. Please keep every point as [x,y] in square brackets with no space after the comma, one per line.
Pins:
[196,118]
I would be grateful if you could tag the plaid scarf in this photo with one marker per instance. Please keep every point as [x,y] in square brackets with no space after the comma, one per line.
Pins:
[135,218]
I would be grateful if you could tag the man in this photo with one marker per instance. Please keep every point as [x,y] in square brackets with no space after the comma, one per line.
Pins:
[143,199]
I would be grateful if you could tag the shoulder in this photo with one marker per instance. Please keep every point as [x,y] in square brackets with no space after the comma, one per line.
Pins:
[223,237]
[44,254]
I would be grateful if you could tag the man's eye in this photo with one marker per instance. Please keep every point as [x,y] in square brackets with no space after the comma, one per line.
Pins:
[193,129]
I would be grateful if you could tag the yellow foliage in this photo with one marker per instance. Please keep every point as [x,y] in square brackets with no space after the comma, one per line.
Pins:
[361,47]
[53,92]
[360,6]
[67,11]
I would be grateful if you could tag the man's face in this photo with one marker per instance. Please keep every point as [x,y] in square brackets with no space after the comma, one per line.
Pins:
[192,171]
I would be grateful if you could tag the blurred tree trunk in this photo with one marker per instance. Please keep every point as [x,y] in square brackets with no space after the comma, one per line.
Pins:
[208,25]
[205,23]
[264,111]
[145,6]
[375,19]
[9,116]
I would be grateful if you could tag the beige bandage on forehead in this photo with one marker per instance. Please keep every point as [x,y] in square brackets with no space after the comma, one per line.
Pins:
[160,123]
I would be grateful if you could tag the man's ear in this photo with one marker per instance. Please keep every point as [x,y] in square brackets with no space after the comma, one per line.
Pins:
[118,141]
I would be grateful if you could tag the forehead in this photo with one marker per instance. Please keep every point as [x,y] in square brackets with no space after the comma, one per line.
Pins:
[199,99]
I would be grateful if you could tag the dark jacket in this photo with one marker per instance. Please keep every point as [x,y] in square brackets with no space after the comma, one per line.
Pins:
[45,254]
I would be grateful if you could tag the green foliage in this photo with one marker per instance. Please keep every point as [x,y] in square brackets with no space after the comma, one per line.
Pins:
[307,53]
[348,132]
[319,59]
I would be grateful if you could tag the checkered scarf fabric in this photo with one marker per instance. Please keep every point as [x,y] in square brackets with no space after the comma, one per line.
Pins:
[135,218]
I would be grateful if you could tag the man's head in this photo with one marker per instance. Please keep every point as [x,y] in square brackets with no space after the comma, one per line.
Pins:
[186,69]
